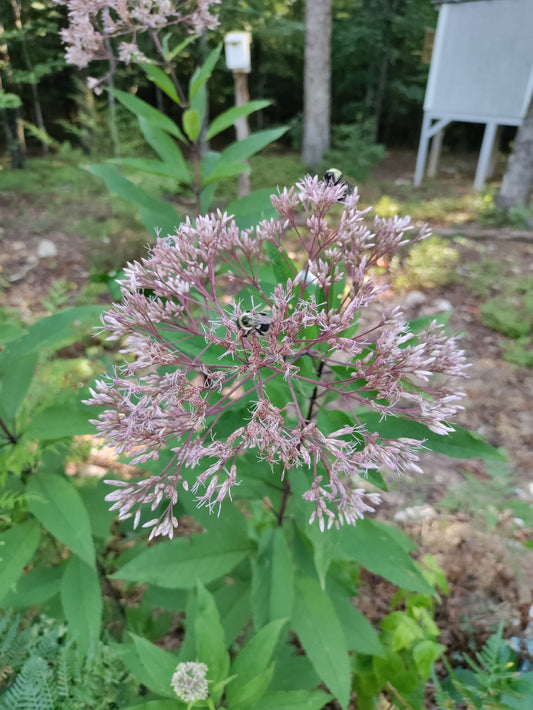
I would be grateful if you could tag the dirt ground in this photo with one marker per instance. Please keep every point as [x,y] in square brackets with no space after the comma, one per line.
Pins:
[490,573]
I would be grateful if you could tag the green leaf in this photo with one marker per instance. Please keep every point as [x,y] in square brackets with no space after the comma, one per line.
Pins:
[143,110]
[371,544]
[154,212]
[123,187]
[35,587]
[360,634]
[14,384]
[252,691]
[322,637]
[61,421]
[180,563]
[202,74]
[191,124]
[167,149]
[460,444]
[155,167]
[294,671]
[251,667]
[225,171]
[162,80]
[58,506]
[273,580]
[17,547]
[245,148]
[101,518]
[82,602]
[250,210]
[156,667]
[228,118]
[233,602]
[170,54]
[52,332]
[210,640]
[293,700]
[425,653]
[282,265]
[199,104]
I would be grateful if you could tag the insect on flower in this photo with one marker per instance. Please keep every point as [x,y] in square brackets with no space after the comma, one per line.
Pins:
[254,322]
[333,176]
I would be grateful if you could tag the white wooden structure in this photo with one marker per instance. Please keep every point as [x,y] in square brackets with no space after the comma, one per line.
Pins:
[481,72]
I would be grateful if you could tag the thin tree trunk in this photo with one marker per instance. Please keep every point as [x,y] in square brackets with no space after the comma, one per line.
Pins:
[515,190]
[17,12]
[317,81]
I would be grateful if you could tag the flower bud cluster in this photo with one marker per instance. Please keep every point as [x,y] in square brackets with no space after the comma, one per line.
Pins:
[222,361]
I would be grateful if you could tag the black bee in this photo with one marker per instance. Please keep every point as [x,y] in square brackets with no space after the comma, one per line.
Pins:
[332,176]
[254,322]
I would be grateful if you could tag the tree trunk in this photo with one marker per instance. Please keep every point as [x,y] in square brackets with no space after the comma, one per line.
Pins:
[317,81]
[516,185]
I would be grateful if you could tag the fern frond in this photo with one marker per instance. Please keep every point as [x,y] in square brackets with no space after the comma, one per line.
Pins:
[31,690]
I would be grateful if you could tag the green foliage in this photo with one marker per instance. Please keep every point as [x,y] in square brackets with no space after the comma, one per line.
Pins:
[491,682]
[161,133]
[353,151]
[429,264]
[409,639]
[511,313]
[44,672]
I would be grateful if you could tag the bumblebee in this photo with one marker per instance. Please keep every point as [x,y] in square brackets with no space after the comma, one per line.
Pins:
[332,176]
[254,323]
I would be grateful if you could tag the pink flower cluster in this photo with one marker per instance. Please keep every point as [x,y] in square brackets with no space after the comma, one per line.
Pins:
[92,23]
[195,366]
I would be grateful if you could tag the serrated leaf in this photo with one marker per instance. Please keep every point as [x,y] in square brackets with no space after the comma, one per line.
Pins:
[360,634]
[273,580]
[162,80]
[58,506]
[250,663]
[143,110]
[157,666]
[210,640]
[17,547]
[82,602]
[374,548]
[250,693]
[228,118]
[180,563]
[233,602]
[245,148]
[202,74]
[167,149]
[322,637]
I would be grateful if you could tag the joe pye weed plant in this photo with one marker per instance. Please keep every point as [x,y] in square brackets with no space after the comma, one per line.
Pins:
[261,399]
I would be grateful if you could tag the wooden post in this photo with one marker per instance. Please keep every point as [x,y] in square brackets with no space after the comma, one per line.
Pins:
[242,130]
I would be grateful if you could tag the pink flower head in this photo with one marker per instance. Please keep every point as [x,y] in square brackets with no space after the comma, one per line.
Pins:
[93,22]
[222,360]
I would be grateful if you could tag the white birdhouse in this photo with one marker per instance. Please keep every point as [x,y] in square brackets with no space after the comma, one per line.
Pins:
[237,46]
